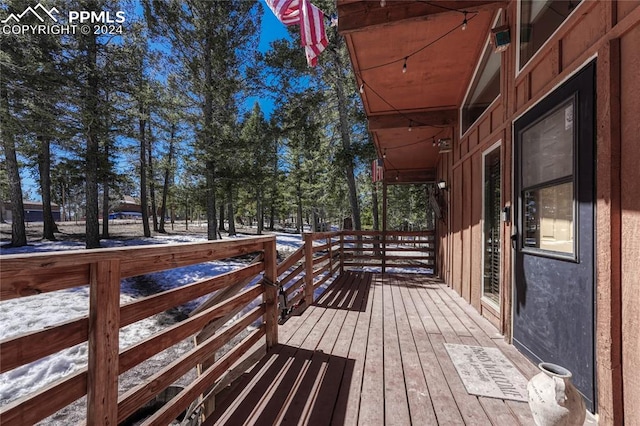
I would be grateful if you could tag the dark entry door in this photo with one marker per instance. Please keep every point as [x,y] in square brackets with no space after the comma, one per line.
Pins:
[554,217]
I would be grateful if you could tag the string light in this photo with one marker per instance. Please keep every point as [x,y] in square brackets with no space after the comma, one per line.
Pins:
[362,88]
[410,125]
[373,91]
[464,22]
[473,14]
[384,153]
[404,66]
[383,3]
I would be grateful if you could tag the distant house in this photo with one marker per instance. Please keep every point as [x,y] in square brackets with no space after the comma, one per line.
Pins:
[32,211]
[127,208]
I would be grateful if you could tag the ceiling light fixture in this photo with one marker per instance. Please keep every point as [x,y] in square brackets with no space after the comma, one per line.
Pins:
[404,66]
[464,22]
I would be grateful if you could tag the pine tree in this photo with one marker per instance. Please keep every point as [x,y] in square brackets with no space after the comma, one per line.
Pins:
[210,37]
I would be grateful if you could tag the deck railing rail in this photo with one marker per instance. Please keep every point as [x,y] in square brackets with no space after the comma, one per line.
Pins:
[102,270]
[308,268]
[390,249]
[293,282]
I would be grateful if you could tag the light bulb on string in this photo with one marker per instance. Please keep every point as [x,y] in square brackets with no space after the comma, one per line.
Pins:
[404,66]
[383,3]
[362,88]
[410,125]
[384,153]
[464,22]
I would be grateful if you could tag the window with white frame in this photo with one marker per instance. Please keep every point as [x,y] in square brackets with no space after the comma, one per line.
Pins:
[539,19]
[485,86]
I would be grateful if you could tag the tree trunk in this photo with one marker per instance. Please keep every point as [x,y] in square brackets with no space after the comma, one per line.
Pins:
[165,185]
[142,124]
[212,232]
[18,231]
[315,220]
[222,215]
[92,118]
[299,224]
[105,196]
[230,215]
[44,167]
[152,181]
[272,216]
[345,136]
[259,211]
[186,213]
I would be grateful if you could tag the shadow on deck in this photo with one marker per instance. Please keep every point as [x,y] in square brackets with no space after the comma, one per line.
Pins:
[371,351]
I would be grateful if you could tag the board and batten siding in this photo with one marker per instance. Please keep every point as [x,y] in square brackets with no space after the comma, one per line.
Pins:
[608,32]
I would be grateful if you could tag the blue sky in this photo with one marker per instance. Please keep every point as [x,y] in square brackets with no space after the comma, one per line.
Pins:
[272,29]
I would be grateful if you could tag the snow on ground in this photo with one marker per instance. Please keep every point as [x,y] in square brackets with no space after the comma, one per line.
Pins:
[18,316]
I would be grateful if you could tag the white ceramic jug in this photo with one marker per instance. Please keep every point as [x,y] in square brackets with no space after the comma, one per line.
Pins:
[553,399]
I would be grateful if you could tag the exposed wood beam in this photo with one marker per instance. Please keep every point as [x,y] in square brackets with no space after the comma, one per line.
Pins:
[365,15]
[442,117]
[397,177]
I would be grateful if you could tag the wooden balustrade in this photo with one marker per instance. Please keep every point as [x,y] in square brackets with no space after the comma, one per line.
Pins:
[391,249]
[322,256]
[309,267]
[102,270]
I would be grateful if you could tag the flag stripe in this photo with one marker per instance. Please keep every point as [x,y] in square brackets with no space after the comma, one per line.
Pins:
[311,21]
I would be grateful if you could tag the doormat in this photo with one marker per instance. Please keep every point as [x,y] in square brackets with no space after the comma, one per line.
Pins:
[487,372]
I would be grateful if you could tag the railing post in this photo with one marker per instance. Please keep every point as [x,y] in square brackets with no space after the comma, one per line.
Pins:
[330,242]
[104,330]
[384,227]
[308,269]
[341,252]
[271,293]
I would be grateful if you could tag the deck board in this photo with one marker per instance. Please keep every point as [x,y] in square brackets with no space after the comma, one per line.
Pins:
[372,395]
[371,351]
[395,388]
[419,400]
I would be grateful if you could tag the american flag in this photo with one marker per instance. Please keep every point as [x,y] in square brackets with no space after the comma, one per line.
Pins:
[377,170]
[311,20]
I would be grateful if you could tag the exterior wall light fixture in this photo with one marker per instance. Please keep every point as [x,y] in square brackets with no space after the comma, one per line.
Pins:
[500,38]
[442,185]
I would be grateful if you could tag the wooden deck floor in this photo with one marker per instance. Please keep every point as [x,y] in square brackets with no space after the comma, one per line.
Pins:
[370,351]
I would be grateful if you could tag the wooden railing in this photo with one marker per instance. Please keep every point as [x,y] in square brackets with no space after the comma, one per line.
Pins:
[391,249]
[102,270]
[293,282]
[332,252]
[308,268]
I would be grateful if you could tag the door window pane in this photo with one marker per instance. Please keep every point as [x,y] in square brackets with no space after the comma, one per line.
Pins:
[538,20]
[547,147]
[549,221]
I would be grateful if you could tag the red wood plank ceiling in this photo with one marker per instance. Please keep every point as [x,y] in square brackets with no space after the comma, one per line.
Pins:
[440,61]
